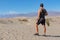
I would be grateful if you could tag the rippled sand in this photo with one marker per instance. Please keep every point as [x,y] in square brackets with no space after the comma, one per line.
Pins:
[23,28]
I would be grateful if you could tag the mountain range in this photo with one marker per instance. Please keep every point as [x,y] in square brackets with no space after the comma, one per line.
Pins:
[50,13]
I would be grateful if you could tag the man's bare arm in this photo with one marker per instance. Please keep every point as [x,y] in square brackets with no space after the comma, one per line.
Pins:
[39,13]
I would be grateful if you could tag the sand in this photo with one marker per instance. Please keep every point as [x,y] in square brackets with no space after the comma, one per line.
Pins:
[23,28]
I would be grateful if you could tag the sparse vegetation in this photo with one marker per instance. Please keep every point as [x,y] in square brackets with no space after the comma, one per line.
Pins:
[24,20]
[10,21]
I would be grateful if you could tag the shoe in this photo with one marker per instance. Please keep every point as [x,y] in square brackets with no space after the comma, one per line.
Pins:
[36,34]
[44,35]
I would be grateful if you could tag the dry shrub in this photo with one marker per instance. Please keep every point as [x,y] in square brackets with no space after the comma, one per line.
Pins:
[24,20]
[10,21]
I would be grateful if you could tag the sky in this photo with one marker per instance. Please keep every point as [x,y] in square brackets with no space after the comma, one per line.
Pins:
[27,6]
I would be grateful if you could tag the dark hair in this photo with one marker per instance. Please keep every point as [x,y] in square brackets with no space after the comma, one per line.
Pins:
[41,5]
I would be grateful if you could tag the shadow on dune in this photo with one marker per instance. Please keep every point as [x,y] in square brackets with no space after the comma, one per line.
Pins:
[50,35]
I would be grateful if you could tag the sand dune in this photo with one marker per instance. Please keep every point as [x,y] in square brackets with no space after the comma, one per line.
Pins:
[23,28]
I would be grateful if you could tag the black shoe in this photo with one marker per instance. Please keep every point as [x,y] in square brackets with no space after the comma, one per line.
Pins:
[36,34]
[44,35]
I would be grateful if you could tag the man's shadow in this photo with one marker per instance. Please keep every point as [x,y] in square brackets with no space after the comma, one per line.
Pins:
[50,35]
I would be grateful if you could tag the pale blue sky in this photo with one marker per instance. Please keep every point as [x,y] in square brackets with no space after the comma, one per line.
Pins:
[26,6]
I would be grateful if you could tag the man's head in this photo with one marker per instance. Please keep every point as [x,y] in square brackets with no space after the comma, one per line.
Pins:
[41,5]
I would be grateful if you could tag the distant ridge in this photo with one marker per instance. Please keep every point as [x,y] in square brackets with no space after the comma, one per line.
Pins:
[51,13]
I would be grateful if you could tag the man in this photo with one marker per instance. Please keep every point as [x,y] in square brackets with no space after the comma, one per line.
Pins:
[41,18]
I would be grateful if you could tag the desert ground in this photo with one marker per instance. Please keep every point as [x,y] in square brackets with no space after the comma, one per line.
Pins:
[23,28]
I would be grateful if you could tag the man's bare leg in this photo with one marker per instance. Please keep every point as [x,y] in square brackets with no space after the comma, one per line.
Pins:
[36,30]
[44,29]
